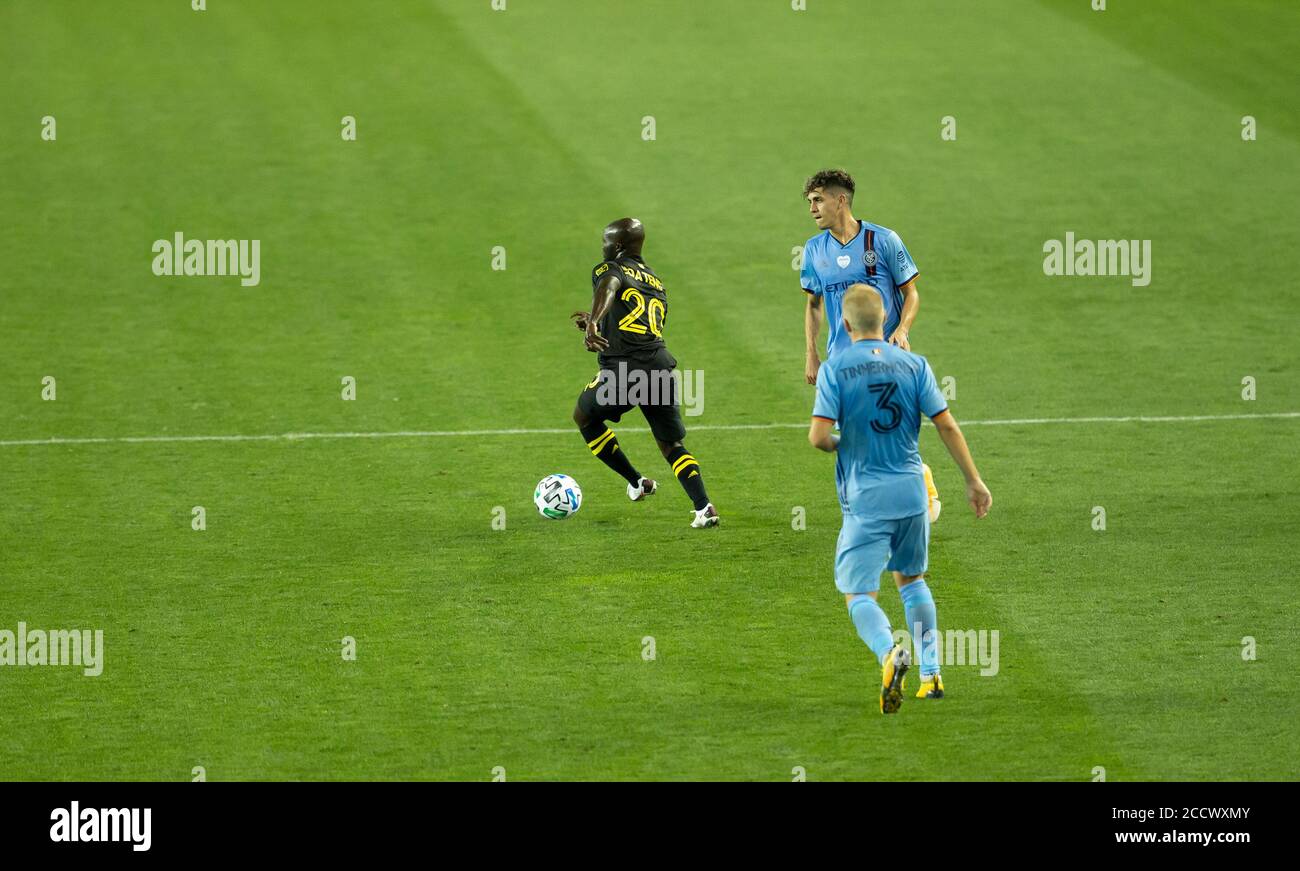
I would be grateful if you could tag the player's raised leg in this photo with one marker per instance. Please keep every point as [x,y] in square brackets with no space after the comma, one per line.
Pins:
[872,624]
[860,556]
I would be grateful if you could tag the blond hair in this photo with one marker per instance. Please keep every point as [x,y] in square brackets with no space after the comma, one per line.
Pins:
[864,309]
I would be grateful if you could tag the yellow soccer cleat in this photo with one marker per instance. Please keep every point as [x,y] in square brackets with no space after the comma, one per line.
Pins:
[933,492]
[931,688]
[892,678]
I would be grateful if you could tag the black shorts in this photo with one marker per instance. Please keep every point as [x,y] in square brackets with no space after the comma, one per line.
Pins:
[625,383]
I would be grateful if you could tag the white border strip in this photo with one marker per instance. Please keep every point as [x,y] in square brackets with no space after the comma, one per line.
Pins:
[461,433]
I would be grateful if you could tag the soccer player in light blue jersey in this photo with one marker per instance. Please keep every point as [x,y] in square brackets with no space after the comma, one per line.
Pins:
[876,392]
[846,252]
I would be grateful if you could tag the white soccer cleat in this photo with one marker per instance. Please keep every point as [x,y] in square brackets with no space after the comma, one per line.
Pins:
[706,516]
[641,489]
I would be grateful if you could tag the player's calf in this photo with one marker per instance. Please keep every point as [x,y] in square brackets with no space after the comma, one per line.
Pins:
[873,628]
[604,445]
[687,471]
[923,623]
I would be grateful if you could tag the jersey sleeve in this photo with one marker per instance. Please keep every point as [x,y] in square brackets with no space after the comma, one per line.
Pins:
[901,266]
[808,279]
[598,271]
[928,396]
[827,404]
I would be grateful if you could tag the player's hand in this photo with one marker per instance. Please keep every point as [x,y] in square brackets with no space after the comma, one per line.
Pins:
[593,340]
[899,338]
[580,320]
[811,367]
[979,497]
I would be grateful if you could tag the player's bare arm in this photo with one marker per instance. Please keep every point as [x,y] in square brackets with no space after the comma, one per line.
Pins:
[820,435]
[911,304]
[602,297]
[976,493]
[812,327]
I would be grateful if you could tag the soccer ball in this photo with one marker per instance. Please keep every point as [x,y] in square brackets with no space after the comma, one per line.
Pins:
[557,497]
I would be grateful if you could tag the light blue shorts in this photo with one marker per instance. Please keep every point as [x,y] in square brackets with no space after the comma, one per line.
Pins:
[868,547]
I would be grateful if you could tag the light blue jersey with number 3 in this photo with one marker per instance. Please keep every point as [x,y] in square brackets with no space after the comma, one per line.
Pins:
[877,393]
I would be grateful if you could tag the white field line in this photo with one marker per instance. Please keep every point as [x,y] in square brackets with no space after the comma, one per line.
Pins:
[462,433]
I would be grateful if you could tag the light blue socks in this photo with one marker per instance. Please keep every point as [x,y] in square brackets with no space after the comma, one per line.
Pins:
[922,623]
[873,625]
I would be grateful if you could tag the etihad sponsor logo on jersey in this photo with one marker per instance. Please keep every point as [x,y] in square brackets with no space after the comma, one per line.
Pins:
[840,286]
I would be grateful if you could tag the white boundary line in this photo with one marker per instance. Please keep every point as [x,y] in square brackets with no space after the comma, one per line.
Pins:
[461,433]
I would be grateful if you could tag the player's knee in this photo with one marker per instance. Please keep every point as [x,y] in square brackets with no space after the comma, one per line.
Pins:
[667,448]
[580,417]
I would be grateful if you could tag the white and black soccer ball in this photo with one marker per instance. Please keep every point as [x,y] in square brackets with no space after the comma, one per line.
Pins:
[558,497]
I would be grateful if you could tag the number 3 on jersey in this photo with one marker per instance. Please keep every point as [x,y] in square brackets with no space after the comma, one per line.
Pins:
[632,322]
[885,402]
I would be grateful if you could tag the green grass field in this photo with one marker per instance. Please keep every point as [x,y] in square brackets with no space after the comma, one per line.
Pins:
[522,648]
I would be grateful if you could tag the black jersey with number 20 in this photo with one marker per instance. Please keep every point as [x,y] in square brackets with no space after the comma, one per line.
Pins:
[634,324]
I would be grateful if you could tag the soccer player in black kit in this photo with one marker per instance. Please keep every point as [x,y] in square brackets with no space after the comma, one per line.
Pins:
[625,328]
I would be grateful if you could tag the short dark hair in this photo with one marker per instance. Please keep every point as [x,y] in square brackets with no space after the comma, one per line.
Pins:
[830,178]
